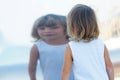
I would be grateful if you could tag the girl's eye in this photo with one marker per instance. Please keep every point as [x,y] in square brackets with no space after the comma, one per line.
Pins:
[41,28]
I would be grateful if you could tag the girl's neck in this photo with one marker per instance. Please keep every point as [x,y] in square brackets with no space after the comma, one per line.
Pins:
[57,42]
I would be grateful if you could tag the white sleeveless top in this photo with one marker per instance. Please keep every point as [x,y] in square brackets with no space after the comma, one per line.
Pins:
[88,60]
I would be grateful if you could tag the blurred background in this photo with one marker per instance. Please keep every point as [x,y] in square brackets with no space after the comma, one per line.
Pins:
[16,21]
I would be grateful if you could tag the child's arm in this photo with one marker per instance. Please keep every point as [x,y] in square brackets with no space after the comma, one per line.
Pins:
[67,64]
[109,66]
[33,62]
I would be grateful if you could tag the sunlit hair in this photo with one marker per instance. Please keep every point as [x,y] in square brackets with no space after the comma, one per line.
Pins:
[49,20]
[82,23]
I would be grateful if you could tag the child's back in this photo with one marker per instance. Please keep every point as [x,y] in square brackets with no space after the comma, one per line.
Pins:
[88,60]
[86,52]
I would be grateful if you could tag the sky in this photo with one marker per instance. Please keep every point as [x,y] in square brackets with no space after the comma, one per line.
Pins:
[17,16]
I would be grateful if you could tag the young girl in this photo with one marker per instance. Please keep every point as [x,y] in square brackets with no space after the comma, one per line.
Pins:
[51,38]
[85,51]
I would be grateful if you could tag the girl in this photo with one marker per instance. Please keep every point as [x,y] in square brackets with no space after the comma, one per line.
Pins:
[85,51]
[51,38]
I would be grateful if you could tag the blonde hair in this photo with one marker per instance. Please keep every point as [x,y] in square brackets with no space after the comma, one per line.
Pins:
[82,23]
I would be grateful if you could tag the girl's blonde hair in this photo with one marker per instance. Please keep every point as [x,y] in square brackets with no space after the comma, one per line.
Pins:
[82,23]
[49,20]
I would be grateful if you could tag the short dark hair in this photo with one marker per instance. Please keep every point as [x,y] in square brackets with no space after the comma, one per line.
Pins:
[48,20]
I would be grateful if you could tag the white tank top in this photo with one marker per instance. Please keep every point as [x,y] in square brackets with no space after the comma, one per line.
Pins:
[88,60]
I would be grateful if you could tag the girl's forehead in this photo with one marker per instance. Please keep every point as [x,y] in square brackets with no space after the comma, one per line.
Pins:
[49,23]
[57,25]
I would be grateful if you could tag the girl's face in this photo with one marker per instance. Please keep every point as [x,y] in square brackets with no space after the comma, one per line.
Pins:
[51,33]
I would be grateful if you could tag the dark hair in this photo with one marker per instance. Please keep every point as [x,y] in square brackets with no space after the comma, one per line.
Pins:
[82,23]
[49,20]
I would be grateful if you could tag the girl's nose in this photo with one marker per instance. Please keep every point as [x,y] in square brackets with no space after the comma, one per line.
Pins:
[47,29]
